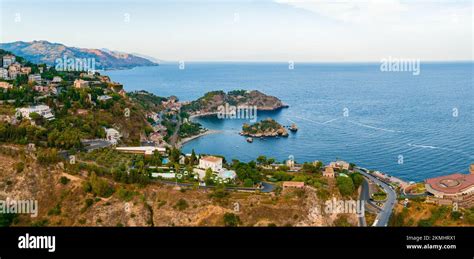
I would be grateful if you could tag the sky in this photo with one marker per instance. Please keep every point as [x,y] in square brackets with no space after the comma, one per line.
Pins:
[265,30]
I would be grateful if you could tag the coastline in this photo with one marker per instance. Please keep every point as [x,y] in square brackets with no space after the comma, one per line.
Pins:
[188,139]
[191,117]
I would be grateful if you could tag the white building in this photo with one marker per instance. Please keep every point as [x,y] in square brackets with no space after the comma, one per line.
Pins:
[215,163]
[8,60]
[3,73]
[103,98]
[112,135]
[79,83]
[14,70]
[57,79]
[42,110]
[340,164]
[34,78]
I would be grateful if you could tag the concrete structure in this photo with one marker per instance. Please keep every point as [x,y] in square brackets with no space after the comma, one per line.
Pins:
[144,150]
[57,79]
[112,135]
[164,175]
[298,185]
[42,110]
[8,60]
[25,70]
[454,188]
[339,164]
[80,84]
[41,88]
[36,78]
[122,93]
[13,71]
[3,73]
[215,163]
[290,163]
[103,98]
[5,85]
[328,172]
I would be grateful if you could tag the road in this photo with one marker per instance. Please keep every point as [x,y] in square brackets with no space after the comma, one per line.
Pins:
[92,144]
[384,214]
[364,197]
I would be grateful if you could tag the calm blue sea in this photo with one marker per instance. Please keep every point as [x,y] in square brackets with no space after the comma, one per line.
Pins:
[409,126]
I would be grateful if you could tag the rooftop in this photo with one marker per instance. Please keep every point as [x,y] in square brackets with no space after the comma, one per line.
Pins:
[293,184]
[451,184]
[212,159]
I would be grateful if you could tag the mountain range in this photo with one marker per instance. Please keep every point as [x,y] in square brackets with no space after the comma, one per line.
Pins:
[47,52]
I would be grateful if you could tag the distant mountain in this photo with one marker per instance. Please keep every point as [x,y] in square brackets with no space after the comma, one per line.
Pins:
[47,52]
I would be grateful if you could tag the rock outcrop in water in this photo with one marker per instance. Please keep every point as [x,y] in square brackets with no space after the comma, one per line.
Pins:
[264,128]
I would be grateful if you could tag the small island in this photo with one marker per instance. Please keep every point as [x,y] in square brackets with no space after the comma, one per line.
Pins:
[264,128]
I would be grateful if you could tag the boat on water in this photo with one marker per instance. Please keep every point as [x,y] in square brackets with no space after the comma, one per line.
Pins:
[249,140]
[293,127]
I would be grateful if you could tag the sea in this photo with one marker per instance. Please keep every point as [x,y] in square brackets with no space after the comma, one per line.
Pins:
[409,125]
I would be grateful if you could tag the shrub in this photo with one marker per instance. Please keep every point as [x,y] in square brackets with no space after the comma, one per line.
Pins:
[56,210]
[64,180]
[456,215]
[231,220]
[181,204]
[19,167]
[345,185]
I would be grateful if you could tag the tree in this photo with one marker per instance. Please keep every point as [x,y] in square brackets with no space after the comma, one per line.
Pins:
[193,158]
[208,177]
[271,161]
[345,185]
[174,155]
[310,168]
[156,159]
[100,187]
[181,204]
[248,182]
[231,220]
[262,160]
[357,179]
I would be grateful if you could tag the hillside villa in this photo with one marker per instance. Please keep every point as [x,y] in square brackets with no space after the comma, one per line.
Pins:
[80,84]
[339,164]
[42,110]
[8,60]
[5,85]
[112,135]
[329,172]
[213,162]
[34,78]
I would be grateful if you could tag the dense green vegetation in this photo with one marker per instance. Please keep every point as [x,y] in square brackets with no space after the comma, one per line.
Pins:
[261,127]
[189,129]
[345,185]
[231,220]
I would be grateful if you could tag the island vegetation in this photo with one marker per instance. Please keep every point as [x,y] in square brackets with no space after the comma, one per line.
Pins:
[264,128]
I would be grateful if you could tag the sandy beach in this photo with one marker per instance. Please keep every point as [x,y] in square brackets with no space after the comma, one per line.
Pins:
[186,140]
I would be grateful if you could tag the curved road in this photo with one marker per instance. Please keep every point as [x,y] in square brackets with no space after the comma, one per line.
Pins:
[384,214]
